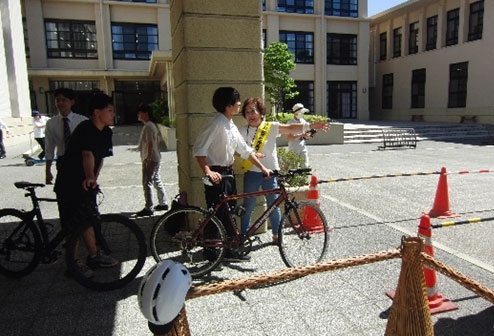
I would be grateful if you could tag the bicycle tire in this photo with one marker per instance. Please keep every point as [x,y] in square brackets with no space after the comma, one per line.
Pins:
[126,243]
[20,244]
[200,255]
[306,244]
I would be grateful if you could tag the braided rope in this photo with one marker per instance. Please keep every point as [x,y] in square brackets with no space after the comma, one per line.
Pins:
[460,278]
[290,274]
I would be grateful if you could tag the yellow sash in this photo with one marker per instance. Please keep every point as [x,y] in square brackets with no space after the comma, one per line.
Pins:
[258,143]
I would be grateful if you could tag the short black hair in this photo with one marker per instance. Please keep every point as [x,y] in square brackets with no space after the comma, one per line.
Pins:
[225,96]
[99,101]
[145,108]
[66,92]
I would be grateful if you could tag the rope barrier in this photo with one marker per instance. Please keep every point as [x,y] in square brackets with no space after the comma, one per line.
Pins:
[467,221]
[377,176]
[460,172]
[289,274]
[463,280]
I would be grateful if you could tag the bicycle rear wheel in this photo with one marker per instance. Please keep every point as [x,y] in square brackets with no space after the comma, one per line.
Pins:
[122,239]
[20,244]
[175,236]
[303,235]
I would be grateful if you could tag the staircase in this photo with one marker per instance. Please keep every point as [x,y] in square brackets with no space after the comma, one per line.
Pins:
[361,133]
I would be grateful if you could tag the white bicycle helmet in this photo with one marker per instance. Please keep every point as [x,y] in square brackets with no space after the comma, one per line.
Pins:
[162,291]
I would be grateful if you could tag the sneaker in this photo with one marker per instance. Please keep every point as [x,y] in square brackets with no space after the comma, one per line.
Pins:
[101,260]
[3,156]
[234,256]
[161,207]
[144,213]
[83,269]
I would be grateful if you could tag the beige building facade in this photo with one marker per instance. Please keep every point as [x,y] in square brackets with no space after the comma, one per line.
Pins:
[430,61]
[123,47]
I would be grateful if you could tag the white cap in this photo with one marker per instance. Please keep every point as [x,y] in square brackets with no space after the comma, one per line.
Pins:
[299,108]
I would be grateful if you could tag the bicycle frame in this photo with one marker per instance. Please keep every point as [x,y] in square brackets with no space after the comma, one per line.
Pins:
[48,245]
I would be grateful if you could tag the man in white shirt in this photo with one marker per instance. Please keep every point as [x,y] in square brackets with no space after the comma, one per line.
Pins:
[55,136]
[39,124]
[214,150]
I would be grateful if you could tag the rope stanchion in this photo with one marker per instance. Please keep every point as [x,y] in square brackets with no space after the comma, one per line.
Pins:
[410,313]
[377,177]
[462,172]
[462,222]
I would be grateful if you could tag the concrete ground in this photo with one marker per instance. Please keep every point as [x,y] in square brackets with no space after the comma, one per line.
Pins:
[368,216]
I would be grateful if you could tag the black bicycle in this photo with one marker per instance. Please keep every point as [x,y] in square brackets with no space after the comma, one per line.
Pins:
[27,240]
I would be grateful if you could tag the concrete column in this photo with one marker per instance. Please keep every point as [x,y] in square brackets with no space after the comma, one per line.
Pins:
[214,43]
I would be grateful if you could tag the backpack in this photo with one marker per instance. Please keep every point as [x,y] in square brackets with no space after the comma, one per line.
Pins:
[174,223]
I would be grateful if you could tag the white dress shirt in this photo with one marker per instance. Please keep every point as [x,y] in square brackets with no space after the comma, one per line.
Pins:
[219,141]
[54,133]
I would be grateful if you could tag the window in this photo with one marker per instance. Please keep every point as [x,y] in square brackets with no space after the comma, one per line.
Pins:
[263,5]
[305,96]
[383,49]
[70,39]
[342,99]
[264,39]
[418,88]
[397,42]
[301,44]
[476,23]
[387,93]
[346,8]
[413,38]
[431,33]
[147,1]
[342,49]
[134,41]
[458,78]
[296,6]
[453,22]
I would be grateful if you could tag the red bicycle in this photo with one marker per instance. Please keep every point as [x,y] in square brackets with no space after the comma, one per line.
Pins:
[196,237]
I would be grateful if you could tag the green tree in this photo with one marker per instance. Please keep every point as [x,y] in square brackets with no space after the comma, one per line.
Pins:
[278,62]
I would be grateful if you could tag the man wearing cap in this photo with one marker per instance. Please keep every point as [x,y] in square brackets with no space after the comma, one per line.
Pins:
[296,141]
[39,124]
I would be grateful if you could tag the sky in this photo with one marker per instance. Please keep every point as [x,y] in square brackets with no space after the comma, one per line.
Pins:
[377,6]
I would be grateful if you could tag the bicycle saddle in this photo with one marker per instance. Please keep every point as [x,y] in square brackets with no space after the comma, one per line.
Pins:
[26,185]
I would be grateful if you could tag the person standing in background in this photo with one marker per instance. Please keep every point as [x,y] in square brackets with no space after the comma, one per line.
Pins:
[59,128]
[39,124]
[3,126]
[151,162]
[296,141]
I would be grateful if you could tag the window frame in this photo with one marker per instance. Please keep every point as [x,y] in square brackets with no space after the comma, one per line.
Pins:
[346,45]
[458,85]
[61,35]
[387,91]
[337,110]
[299,37]
[397,39]
[413,38]
[431,38]
[383,46]
[296,6]
[305,96]
[452,26]
[476,20]
[419,77]
[139,53]
[341,8]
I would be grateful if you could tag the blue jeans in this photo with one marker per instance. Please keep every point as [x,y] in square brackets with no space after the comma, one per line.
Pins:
[252,182]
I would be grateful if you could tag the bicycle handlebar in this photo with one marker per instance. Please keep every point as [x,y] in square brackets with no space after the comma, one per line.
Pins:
[276,173]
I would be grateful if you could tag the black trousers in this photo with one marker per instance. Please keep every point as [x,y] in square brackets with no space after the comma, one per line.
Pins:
[41,142]
[226,187]
[2,147]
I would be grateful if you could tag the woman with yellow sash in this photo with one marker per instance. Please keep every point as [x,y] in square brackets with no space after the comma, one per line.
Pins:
[261,135]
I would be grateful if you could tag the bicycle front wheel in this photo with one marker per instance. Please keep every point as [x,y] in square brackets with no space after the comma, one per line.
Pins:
[20,244]
[176,236]
[117,237]
[303,235]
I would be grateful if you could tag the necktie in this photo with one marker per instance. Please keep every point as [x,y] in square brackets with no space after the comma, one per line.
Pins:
[66,130]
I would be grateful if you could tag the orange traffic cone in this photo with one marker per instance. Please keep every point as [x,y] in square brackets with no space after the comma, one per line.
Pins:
[440,209]
[312,220]
[437,303]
